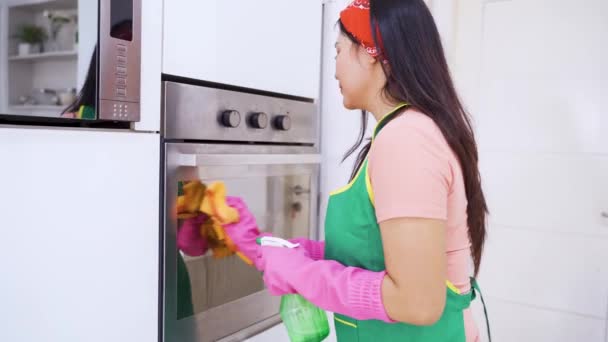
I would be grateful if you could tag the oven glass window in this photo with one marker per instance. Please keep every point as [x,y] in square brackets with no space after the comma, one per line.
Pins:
[209,274]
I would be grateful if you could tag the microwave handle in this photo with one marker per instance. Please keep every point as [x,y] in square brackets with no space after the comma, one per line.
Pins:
[247,159]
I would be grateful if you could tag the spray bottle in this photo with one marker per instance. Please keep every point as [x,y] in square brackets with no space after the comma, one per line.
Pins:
[304,321]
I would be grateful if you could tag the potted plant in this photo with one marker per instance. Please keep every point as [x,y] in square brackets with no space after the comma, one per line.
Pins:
[31,38]
[56,20]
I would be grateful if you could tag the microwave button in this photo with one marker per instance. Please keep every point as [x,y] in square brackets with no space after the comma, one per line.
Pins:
[122,50]
[121,61]
[121,71]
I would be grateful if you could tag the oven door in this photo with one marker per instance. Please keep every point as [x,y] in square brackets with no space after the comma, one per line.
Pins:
[205,298]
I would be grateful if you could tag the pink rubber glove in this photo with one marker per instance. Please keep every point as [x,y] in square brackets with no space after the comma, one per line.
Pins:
[315,249]
[189,239]
[350,291]
[245,232]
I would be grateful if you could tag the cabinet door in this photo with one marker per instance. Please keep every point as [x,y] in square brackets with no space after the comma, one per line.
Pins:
[79,227]
[271,45]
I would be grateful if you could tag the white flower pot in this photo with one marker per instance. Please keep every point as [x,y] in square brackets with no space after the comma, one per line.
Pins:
[28,49]
[24,49]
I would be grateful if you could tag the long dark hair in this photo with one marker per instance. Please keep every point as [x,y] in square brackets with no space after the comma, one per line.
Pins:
[88,94]
[417,73]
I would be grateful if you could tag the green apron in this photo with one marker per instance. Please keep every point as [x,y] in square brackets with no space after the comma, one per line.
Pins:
[352,237]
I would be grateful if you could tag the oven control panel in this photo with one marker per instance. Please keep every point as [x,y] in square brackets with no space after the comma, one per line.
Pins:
[202,113]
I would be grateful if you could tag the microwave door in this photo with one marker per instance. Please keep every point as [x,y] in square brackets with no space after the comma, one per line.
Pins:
[54,74]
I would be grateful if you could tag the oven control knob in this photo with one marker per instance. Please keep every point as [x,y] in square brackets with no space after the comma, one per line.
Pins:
[282,122]
[230,118]
[258,120]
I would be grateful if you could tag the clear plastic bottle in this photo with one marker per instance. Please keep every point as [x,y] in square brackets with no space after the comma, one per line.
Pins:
[304,321]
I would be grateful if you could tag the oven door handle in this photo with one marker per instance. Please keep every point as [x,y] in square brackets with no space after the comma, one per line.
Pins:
[247,159]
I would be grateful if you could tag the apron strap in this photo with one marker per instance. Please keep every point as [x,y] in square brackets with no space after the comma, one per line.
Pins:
[485,311]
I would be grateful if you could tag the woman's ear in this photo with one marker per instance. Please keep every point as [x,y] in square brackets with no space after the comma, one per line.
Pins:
[370,59]
[366,58]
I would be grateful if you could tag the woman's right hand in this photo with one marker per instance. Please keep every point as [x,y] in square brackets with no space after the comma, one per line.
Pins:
[244,232]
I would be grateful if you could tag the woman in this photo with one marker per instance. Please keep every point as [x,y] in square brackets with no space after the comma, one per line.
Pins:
[400,235]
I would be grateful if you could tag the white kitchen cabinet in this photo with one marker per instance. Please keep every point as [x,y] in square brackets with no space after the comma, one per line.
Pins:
[271,45]
[79,227]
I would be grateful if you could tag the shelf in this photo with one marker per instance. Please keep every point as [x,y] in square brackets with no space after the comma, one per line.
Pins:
[37,107]
[45,56]
[42,5]
[35,110]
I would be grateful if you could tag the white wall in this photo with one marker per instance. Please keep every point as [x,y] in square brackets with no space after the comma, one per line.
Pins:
[533,83]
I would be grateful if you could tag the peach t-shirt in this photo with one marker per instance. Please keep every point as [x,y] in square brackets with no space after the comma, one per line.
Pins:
[414,173]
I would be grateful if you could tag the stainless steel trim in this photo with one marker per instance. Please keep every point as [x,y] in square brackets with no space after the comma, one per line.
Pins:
[253,330]
[247,159]
[112,95]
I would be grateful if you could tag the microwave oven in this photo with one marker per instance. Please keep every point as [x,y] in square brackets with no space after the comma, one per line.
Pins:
[71,60]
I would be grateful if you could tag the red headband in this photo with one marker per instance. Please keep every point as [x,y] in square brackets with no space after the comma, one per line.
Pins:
[356,19]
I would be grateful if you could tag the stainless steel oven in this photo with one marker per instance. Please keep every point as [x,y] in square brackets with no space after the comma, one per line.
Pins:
[71,61]
[264,148]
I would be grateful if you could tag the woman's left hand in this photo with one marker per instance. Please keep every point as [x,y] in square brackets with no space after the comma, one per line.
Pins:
[277,263]
[351,291]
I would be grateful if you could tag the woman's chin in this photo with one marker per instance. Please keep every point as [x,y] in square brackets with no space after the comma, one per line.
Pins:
[347,104]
